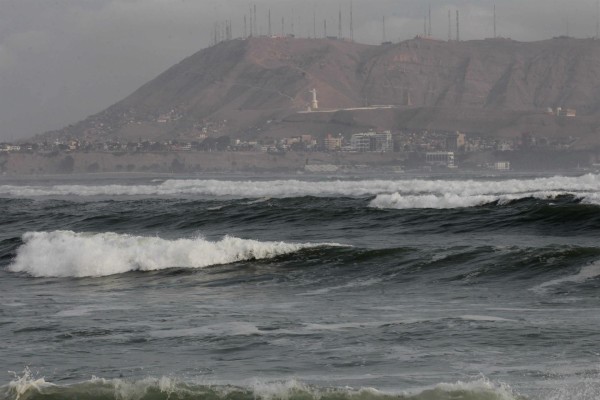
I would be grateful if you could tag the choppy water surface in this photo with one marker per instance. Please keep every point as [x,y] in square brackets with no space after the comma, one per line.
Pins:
[333,289]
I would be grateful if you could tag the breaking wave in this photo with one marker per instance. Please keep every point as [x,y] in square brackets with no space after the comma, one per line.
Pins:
[452,200]
[29,388]
[469,190]
[70,254]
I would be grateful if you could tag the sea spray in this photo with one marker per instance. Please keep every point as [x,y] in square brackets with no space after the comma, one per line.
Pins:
[22,386]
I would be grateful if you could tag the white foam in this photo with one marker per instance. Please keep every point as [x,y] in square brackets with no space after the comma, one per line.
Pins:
[586,185]
[588,272]
[280,390]
[448,200]
[225,329]
[81,311]
[452,200]
[591,198]
[485,318]
[351,285]
[481,386]
[20,385]
[262,389]
[70,254]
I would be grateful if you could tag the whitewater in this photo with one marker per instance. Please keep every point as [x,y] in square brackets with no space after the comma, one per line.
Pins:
[402,193]
[66,253]
[300,288]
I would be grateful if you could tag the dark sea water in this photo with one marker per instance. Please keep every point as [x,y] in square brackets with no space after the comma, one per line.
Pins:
[300,289]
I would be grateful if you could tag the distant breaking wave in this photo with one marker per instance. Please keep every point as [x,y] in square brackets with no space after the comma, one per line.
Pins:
[451,200]
[70,254]
[409,193]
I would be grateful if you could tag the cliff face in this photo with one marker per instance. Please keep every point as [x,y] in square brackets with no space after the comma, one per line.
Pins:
[247,82]
[490,74]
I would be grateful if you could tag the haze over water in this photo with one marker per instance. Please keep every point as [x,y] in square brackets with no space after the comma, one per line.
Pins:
[278,288]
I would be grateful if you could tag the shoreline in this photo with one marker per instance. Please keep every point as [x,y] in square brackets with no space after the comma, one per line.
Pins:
[297,163]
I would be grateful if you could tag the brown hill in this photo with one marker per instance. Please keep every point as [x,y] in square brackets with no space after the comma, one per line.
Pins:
[257,86]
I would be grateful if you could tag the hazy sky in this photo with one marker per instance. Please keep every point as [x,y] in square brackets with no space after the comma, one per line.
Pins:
[62,60]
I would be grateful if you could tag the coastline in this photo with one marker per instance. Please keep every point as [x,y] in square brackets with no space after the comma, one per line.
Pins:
[36,164]
[186,162]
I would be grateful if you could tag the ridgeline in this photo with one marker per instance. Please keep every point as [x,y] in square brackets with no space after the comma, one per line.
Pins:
[259,87]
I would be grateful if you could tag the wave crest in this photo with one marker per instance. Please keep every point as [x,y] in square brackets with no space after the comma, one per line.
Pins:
[586,184]
[170,388]
[70,254]
[452,200]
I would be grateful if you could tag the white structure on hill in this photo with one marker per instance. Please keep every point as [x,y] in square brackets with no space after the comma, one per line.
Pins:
[314,104]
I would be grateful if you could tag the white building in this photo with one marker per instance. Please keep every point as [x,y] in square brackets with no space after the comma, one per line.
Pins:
[371,141]
[440,159]
[6,148]
[502,166]
[332,143]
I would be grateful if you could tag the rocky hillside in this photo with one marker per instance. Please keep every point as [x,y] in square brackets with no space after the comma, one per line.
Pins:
[240,86]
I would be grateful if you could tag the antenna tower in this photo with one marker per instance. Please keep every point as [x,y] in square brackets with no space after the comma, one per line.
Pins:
[315,22]
[449,25]
[270,31]
[598,19]
[351,23]
[340,23]
[255,33]
[251,31]
[429,30]
[383,30]
[457,26]
[495,36]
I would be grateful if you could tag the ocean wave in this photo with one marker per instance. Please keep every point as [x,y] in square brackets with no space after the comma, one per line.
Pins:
[452,200]
[70,254]
[448,200]
[28,387]
[587,272]
[297,188]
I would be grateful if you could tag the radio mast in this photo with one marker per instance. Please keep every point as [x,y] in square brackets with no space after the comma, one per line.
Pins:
[449,25]
[270,31]
[351,23]
[457,26]
[495,36]
[429,30]
[340,23]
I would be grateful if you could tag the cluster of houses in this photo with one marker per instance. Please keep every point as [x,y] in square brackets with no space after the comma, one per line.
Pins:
[437,148]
